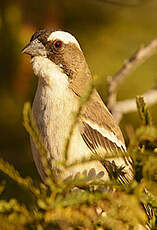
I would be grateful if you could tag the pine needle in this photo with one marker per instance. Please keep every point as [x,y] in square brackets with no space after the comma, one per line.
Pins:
[10,171]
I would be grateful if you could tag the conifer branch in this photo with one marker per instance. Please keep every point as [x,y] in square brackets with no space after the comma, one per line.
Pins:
[71,217]
[144,113]
[98,157]
[10,171]
[31,128]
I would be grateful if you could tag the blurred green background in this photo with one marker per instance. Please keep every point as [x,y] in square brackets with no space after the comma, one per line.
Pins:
[108,31]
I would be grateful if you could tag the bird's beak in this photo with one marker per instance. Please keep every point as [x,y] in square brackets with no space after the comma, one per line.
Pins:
[34,48]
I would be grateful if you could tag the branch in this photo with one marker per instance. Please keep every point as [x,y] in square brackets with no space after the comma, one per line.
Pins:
[129,105]
[137,59]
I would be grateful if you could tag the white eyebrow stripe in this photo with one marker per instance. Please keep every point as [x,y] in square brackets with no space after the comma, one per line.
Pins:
[63,36]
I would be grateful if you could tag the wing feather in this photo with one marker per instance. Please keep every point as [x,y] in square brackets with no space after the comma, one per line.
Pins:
[102,135]
[96,140]
[99,144]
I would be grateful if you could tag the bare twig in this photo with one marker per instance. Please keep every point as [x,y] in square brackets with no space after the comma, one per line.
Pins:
[129,105]
[126,106]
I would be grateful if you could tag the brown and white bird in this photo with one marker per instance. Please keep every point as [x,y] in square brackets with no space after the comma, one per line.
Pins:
[64,77]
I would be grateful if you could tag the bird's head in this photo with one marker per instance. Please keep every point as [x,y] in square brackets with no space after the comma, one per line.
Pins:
[58,51]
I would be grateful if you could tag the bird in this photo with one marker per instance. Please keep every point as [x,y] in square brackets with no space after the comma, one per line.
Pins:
[63,78]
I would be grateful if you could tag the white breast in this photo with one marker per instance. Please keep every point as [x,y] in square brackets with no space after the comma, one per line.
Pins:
[54,109]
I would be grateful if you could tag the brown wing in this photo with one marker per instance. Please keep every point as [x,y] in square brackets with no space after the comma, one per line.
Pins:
[118,167]
[95,140]
[98,127]
[101,133]
[96,112]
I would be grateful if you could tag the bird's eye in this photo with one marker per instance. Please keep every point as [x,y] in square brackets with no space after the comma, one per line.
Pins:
[58,44]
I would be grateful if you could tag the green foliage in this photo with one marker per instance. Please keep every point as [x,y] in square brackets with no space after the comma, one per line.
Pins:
[86,201]
[144,113]
[9,170]
[30,126]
